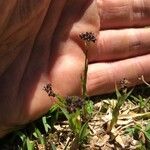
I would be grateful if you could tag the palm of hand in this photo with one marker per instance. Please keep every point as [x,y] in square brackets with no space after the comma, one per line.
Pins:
[56,57]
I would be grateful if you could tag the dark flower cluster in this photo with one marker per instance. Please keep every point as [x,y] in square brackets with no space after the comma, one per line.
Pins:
[48,89]
[88,37]
[73,103]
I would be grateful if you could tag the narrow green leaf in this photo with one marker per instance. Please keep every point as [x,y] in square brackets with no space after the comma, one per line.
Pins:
[147,134]
[117,92]
[53,109]
[61,99]
[30,144]
[39,135]
[21,135]
[45,124]
[65,112]
[83,132]
[128,94]
[75,122]
[53,147]
[148,127]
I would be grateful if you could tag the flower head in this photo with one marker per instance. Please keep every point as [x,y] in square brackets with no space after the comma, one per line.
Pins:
[88,37]
[73,103]
[48,89]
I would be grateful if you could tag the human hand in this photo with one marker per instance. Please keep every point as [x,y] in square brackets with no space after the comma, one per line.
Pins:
[53,52]
[121,51]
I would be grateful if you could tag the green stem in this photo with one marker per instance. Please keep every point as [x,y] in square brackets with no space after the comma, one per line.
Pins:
[84,82]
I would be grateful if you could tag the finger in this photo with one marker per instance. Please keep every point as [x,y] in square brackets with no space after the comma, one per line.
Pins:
[103,76]
[121,44]
[77,17]
[124,13]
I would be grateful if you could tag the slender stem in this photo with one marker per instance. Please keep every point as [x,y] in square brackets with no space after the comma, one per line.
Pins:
[142,78]
[84,79]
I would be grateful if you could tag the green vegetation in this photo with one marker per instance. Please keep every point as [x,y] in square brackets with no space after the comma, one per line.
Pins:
[75,122]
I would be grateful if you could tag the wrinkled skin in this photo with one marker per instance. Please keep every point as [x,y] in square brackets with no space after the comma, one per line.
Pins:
[39,44]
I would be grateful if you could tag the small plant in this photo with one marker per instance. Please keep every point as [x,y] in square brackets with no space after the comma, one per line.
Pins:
[142,134]
[27,143]
[72,108]
[78,111]
[143,103]
[121,97]
[86,128]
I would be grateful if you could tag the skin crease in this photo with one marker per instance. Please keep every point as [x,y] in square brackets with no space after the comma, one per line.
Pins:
[40,44]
